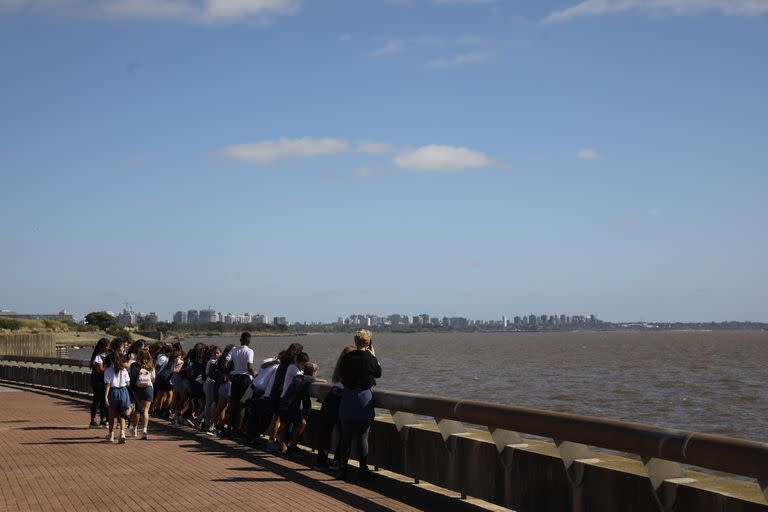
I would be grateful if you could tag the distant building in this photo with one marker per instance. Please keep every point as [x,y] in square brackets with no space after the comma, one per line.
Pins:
[280,321]
[260,319]
[193,316]
[208,316]
[180,317]
[504,321]
[62,316]
[127,317]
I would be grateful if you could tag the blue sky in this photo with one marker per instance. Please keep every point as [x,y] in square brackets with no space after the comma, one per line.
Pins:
[319,158]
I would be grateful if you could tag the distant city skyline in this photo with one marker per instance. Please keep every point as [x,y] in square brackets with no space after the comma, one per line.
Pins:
[463,158]
[208,314]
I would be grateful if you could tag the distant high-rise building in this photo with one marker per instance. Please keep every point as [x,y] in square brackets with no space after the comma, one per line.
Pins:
[280,321]
[260,319]
[208,316]
[517,320]
[126,317]
[504,320]
[193,316]
[532,320]
[180,317]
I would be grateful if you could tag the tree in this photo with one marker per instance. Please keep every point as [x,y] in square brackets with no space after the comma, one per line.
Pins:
[101,319]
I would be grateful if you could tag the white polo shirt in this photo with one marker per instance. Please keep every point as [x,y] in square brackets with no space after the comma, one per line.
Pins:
[241,357]
[116,379]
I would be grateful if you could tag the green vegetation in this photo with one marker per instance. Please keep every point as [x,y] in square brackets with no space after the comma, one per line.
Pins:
[10,323]
[101,319]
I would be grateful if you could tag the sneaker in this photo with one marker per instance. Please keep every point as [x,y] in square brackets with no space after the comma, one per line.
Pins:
[211,432]
[93,424]
[144,436]
[103,424]
[122,439]
[188,422]
[271,447]
[110,438]
[135,432]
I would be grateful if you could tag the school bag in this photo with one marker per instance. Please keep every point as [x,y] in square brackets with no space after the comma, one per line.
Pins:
[144,379]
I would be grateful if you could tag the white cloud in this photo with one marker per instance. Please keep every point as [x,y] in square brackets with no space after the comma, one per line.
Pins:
[392,47]
[373,147]
[195,11]
[589,154]
[269,151]
[442,158]
[601,7]
[462,59]
[228,10]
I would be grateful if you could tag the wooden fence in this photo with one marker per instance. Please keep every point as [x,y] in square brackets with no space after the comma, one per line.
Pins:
[28,345]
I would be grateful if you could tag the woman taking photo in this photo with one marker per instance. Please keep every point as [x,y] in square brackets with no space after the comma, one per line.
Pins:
[358,370]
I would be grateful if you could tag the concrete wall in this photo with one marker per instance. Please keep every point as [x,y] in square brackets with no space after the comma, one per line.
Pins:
[28,345]
[529,477]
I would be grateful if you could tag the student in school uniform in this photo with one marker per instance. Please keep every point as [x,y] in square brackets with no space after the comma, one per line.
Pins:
[295,405]
[142,378]
[241,371]
[223,388]
[98,365]
[328,419]
[117,399]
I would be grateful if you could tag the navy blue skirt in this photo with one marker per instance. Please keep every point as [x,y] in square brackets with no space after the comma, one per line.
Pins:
[356,405]
[143,394]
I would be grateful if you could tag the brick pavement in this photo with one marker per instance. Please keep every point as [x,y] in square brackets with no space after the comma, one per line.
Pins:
[50,460]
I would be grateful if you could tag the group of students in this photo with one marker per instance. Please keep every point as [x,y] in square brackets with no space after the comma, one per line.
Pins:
[222,393]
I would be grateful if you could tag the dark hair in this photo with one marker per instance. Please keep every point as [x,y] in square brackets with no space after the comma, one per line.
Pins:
[337,370]
[144,360]
[221,363]
[196,351]
[245,338]
[290,354]
[101,346]
[135,347]
[114,354]
[302,358]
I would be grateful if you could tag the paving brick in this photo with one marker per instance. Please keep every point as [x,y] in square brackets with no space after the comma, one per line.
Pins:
[49,459]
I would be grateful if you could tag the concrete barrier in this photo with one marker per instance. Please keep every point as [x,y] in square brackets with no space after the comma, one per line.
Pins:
[525,474]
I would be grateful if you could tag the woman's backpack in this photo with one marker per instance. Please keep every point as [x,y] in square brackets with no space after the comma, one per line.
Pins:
[144,378]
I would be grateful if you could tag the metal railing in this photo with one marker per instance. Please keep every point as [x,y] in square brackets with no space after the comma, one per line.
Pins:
[659,448]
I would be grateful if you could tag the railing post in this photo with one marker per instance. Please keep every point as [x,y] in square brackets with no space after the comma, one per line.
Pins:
[659,471]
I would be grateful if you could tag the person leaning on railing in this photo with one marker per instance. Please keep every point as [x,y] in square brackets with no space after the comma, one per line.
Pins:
[359,370]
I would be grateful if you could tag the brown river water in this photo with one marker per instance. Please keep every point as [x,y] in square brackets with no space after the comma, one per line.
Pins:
[705,381]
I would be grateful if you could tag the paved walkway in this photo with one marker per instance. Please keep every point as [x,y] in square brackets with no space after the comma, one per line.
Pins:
[50,460]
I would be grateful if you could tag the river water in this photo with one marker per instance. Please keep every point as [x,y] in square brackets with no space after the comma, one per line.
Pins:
[706,381]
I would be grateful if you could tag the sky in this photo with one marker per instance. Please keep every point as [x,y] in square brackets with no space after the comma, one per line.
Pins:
[318,158]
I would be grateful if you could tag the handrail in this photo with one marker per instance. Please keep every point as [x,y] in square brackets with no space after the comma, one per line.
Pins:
[730,455]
